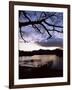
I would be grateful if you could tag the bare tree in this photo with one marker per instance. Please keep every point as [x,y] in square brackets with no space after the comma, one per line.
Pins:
[41,20]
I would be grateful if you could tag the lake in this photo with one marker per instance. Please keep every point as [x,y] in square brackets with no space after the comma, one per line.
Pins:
[40,66]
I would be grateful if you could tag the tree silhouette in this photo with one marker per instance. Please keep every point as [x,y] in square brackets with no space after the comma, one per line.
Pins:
[41,21]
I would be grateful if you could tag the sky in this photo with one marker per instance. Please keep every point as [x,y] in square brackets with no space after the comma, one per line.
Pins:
[36,40]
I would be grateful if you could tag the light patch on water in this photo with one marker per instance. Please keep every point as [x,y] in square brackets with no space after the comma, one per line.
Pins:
[39,60]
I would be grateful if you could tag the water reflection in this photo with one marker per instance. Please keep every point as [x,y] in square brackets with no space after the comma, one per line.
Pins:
[41,60]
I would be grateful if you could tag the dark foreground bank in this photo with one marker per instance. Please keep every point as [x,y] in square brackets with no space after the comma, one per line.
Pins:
[40,72]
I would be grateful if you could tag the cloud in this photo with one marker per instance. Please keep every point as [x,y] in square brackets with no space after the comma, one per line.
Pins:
[31,35]
[53,42]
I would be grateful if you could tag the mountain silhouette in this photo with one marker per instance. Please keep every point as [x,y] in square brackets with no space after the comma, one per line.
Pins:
[57,52]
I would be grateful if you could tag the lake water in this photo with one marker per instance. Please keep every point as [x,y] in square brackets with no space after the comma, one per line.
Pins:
[40,60]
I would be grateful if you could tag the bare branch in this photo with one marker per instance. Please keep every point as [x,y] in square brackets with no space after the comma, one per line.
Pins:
[55,30]
[46,16]
[37,22]
[22,35]
[41,20]
[52,24]
[25,14]
[35,27]
[46,30]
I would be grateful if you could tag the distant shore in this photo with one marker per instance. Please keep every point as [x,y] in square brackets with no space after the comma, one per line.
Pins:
[58,52]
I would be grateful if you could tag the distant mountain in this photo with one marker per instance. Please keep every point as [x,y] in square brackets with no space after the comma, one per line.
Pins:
[57,52]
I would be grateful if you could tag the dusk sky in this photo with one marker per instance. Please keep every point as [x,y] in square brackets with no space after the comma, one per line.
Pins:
[36,40]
